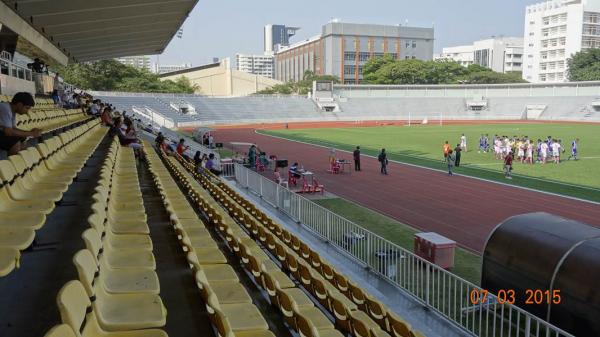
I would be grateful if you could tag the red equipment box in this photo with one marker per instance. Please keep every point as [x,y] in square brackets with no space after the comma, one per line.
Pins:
[435,248]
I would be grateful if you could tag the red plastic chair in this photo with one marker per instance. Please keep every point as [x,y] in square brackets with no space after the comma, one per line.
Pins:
[318,187]
[306,188]
[291,179]
[259,165]
[334,168]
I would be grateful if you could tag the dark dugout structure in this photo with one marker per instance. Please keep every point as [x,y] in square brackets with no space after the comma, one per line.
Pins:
[553,266]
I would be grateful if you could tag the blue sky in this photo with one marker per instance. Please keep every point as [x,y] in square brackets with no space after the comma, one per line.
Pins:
[221,28]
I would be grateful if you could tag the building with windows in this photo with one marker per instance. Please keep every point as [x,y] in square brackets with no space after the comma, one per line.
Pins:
[139,62]
[277,35]
[342,49]
[555,31]
[502,54]
[460,54]
[255,64]
[167,68]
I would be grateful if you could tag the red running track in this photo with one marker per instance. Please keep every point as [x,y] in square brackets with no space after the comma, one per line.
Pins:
[461,208]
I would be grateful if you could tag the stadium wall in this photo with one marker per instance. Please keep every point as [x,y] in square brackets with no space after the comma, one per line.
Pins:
[11,85]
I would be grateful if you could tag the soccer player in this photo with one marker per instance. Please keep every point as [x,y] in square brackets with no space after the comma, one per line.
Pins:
[544,152]
[529,152]
[574,149]
[508,165]
[498,148]
[446,149]
[486,143]
[521,150]
[481,144]
[463,142]
[555,151]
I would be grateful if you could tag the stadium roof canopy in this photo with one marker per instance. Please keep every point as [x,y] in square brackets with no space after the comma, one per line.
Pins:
[101,29]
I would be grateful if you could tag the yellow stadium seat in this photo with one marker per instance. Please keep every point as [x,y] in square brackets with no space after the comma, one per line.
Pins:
[307,329]
[398,327]
[224,328]
[19,192]
[216,273]
[362,321]
[31,220]
[226,292]
[73,303]
[117,259]
[62,330]
[125,281]
[378,313]
[291,305]
[129,311]
[119,241]
[241,316]
[33,181]
[15,237]
[207,256]
[9,260]
[118,225]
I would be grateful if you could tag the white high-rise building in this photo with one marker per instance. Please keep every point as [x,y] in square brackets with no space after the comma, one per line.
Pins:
[140,62]
[167,68]
[500,54]
[555,31]
[256,64]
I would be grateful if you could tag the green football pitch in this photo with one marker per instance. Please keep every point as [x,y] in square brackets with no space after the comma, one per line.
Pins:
[422,145]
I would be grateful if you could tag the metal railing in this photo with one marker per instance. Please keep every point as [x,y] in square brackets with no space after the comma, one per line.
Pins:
[7,67]
[591,88]
[228,169]
[455,298]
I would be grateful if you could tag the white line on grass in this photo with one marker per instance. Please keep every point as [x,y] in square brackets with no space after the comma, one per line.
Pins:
[462,175]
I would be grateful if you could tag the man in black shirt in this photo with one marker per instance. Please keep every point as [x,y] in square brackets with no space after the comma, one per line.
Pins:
[356,155]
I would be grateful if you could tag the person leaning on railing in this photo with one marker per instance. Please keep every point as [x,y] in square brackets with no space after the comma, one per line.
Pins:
[11,137]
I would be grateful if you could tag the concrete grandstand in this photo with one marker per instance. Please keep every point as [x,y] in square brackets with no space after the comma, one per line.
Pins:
[564,102]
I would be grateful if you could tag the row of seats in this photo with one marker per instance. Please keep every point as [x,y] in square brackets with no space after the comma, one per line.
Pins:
[34,181]
[117,293]
[300,311]
[355,311]
[49,120]
[229,305]
[46,116]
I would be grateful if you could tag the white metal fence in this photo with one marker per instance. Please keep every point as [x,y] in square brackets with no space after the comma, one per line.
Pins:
[569,89]
[458,300]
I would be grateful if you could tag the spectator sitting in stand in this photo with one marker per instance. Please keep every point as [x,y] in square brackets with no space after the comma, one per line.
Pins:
[130,138]
[181,148]
[12,138]
[159,139]
[294,171]
[210,164]
[197,159]
[106,117]
[166,148]
[95,107]
[56,98]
